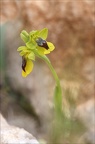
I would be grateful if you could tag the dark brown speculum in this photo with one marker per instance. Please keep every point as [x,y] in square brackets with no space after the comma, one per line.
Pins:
[42,43]
[23,63]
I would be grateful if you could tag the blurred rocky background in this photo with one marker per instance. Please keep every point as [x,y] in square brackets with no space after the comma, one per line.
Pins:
[28,102]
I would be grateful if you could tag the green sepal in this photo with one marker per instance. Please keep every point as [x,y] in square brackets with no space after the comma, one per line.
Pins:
[24,36]
[21,48]
[31,56]
[43,33]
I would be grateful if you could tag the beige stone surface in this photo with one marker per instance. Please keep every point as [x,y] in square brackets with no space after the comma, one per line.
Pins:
[10,134]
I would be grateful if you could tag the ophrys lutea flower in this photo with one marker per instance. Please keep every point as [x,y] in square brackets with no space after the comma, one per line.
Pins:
[35,44]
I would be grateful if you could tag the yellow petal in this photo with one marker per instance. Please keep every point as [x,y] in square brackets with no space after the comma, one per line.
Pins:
[51,46]
[46,51]
[24,74]
[28,68]
[41,50]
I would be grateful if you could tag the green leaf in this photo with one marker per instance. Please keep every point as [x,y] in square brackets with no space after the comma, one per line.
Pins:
[43,33]
[24,36]
[31,56]
[22,48]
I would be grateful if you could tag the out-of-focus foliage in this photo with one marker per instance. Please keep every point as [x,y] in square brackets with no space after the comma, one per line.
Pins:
[67,128]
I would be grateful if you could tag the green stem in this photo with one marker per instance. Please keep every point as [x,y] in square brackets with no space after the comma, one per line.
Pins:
[58,90]
[52,70]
